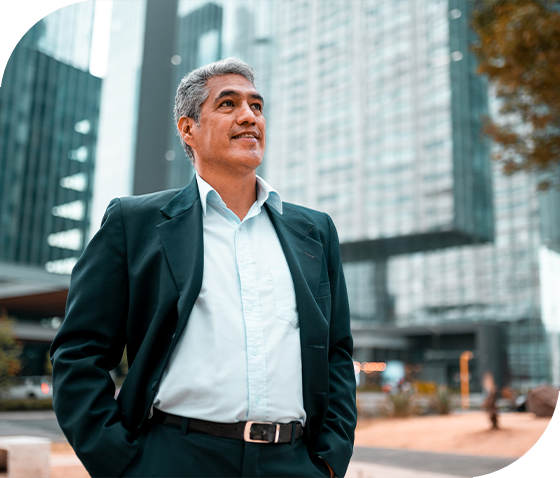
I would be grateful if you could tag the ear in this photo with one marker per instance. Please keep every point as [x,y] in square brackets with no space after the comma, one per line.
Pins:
[187,128]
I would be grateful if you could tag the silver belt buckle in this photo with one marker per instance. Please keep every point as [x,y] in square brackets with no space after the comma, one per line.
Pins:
[247,432]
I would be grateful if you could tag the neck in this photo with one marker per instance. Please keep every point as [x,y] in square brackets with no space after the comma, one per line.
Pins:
[239,192]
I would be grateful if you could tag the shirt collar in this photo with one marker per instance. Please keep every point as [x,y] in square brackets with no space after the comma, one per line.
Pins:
[265,193]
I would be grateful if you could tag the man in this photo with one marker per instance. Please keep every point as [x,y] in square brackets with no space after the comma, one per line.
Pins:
[233,309]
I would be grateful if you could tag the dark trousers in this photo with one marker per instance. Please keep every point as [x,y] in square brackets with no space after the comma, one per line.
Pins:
[165,452]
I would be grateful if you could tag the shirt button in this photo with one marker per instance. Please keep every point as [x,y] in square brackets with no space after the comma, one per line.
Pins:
[249,306]
[244,265]
[240,229]
[257,399]
[255,351]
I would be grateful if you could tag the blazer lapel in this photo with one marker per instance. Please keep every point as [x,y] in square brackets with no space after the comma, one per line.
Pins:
[304,256]
[181,237]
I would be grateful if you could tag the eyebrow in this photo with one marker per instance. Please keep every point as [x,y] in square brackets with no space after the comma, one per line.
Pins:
[223,93]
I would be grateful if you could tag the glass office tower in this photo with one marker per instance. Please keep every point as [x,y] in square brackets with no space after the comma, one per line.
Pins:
[373,115]
[377,110]
[67,35]
[49,106]
[373,127]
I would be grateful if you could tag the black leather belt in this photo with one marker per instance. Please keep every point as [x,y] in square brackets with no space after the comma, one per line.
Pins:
[250,431]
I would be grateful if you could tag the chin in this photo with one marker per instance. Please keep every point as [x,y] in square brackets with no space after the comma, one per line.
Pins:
[254,159]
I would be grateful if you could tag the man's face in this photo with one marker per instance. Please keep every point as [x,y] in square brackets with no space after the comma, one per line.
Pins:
[231,132]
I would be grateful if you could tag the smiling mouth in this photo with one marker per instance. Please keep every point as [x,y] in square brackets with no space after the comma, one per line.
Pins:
[245,135]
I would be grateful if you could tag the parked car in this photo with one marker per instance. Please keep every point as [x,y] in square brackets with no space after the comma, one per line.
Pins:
[30,387]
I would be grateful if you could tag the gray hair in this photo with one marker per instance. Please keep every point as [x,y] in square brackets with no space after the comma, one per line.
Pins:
[193,91]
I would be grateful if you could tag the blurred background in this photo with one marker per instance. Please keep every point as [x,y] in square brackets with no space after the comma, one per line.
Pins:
[385,114]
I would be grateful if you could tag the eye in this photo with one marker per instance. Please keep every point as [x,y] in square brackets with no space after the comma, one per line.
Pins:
[258,106]
[227,103]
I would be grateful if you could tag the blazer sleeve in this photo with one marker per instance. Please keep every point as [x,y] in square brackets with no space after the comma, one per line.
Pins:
[336,440]
[88,345]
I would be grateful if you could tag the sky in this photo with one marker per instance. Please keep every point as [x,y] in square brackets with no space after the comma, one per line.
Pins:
[101,37]
[16,16]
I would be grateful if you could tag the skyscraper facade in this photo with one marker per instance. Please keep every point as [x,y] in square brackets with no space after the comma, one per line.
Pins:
[377,110]
[373,115]
[370,85]
[49,106]
[48,117]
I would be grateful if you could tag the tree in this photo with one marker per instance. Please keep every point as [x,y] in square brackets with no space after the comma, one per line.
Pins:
[9,351]
[519,50]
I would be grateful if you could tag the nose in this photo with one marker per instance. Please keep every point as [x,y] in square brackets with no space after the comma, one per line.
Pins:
[246,114]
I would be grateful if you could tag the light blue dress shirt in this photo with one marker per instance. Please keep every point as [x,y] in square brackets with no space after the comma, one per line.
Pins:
[239,357]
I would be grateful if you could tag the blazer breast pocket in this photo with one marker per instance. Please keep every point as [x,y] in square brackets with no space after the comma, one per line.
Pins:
[323,299]
[284,295]
[324,289]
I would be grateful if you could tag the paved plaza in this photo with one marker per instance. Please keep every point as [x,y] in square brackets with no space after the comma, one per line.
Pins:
[368,462]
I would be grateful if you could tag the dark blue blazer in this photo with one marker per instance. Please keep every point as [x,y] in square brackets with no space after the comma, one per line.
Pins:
[136,284]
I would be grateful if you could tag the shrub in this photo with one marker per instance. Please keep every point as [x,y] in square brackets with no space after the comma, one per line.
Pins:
[402,404]
[425,388]
[16,404]
[9,351]
[441,402]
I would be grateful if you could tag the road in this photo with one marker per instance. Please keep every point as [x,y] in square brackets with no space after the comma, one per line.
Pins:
[33,423]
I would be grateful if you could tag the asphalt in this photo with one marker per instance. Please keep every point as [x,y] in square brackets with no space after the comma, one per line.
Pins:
[44,424]
[33,423]
[445,463]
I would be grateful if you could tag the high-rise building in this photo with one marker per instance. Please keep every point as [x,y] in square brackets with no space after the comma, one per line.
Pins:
[114,172]
[373,115]
[377,110]
[49,120]
[383,138]
[49,105]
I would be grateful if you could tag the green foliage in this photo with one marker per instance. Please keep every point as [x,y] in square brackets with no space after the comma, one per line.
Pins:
[402,404]
[519,50]
[369,387]
[9,351]
[441,401]
[425,387]
[48,365]
[25,404]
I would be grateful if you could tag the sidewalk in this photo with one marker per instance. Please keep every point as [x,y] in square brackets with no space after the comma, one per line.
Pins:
[367,463]
[459,433]
[67,465]
[455,446]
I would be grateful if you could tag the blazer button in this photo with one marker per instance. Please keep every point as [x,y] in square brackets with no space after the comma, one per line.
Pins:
[154,384]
